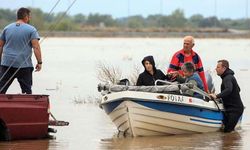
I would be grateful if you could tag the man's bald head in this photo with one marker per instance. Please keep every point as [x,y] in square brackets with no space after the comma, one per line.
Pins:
[189,38]
[188,43]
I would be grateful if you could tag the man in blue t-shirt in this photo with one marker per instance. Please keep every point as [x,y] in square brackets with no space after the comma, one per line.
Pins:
[16,43]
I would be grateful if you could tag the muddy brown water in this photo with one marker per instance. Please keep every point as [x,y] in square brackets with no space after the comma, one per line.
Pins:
[69,77]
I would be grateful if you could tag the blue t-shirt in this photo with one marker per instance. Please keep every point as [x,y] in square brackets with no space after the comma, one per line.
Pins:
[199,82]
[17,50]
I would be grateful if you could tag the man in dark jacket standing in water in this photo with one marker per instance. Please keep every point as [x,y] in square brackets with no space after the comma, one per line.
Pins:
[151,74]
[230,94]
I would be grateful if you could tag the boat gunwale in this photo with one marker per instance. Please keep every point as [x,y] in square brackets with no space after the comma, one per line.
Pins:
[127,98]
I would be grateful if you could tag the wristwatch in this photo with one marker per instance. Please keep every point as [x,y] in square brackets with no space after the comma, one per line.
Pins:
[39,62]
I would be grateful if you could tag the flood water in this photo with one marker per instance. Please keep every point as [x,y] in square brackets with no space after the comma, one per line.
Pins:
[69,76]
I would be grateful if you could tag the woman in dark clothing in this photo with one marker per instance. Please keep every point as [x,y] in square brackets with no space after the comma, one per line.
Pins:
[230,94]
[151,74]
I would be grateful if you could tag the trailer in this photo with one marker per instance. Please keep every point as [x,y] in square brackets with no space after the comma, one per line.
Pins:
[24,116]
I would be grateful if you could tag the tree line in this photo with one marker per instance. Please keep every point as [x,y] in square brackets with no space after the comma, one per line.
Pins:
[80,22]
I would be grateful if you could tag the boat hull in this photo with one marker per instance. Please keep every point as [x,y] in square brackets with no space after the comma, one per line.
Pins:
[148,117]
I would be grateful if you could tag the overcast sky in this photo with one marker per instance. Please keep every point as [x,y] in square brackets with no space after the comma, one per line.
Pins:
[122,8]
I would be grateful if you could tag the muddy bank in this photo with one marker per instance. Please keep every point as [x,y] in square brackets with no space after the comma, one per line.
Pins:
[151,33]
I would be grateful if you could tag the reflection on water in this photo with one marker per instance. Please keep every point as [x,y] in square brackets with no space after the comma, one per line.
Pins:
[25,145]
[91,129]
[69,77]
[216,141]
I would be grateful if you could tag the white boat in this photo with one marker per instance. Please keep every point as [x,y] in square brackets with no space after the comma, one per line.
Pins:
[138,112]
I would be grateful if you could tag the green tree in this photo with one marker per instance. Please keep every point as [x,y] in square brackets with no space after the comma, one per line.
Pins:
[60,21]
[195,20]
[176,19]
[79,18]
[136,22]
[37,18]
[97,19]
[210,22]
[65,25]
[164,21]
[8,15]
[154,20]
[48,18]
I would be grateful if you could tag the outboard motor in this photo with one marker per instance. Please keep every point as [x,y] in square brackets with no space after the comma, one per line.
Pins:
[210,82]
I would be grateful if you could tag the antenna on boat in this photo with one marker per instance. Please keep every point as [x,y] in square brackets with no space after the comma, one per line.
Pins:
[128,8]
[247,17]
[128,13]
[246,9]
[161,7]
[215,12]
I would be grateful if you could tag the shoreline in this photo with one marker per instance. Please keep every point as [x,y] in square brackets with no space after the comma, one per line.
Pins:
[150,33]
[99,32]
[133,34]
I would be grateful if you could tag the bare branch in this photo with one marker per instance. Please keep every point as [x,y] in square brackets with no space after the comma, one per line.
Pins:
[108,73]
[134,75]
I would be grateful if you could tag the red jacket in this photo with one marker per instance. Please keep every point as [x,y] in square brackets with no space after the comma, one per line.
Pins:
[179,59]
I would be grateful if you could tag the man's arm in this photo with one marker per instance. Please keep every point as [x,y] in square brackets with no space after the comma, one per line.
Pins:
[174,64]
[201,73]
[1,49]
[139,81]
[181,79]
[228,88]
[38,54]
[203,78]
[174,68]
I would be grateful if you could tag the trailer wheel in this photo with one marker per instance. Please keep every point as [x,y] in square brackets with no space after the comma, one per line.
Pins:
[4,134]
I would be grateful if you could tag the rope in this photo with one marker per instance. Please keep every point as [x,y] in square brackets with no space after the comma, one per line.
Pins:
[196,89]
[52,28]
[59,19]
[191,86]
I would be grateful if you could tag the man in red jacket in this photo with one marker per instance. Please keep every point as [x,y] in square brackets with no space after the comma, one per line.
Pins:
[187,55]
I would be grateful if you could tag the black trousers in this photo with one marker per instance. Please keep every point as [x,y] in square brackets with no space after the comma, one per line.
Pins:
[231,119]
[23,76]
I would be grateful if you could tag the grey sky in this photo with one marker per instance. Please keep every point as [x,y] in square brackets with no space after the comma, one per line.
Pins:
[122,8]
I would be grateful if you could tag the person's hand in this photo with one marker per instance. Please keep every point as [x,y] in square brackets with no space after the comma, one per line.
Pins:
[208,92]
[38,67]
[174,74]
[213,96]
